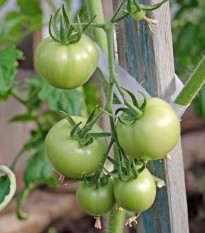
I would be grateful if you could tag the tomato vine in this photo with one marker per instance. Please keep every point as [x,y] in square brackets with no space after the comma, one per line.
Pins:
[77,148]
[141,129]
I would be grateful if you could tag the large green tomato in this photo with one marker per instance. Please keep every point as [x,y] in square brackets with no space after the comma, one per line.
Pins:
[67,155]
[66,66]
[136,195]
[154,134]
[96,202]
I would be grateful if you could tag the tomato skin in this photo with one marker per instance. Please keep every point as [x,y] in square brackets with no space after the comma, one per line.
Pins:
[136,195]
[153,135]
[67,155]
[96,202]
[66,66]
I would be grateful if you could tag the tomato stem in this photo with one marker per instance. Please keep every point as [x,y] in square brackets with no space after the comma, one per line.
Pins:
[113,77]
[95,8]
[118,11]
[159,182]
[193,85]
[115,221]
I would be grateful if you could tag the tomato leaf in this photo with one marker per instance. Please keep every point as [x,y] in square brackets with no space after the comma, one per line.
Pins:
[31,7]
[39,169]
[7,186]
[2,2]
[18,25]
[70,101]
[23,117]
[8,63]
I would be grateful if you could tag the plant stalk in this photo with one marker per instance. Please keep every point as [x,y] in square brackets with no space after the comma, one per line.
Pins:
[94,7]
[110,43]
[115,219]
[193,85]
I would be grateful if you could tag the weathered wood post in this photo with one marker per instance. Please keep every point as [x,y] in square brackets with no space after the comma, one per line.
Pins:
[148,56]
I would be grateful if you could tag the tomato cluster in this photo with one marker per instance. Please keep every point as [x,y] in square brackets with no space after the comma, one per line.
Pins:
[77,148]
[148,138]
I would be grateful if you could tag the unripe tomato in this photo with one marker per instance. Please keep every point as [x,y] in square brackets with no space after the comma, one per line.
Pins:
[138,15]
[96,202]
[136,195]
[66,66]
[67,155]
[154,134]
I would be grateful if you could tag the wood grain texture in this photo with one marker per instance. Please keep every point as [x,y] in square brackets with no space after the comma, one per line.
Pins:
[148,57]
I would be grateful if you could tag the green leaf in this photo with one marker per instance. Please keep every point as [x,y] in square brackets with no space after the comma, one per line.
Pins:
[2,2]
[186,44]
[4,96]
[8,65]
[4,187]
[71,101]
[31,7]
[92,96]
[7,186]
[39,169]
[23,117]
[16,26]
[12,27]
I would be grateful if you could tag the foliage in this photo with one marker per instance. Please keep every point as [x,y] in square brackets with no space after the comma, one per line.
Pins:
[4,183]
[41,101]
[21,22]
[8,63]
[189,41]
[8,186]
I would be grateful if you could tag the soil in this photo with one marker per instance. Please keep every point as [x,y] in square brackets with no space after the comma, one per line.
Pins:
[70,225]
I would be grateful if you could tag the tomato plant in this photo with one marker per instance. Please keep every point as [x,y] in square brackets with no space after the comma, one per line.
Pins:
[96,202]
[136,195]
[67,155]
[66,66]
[154,134]
[145,131]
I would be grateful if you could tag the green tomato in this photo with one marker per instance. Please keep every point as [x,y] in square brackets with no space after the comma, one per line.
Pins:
[153,135]
[66,66]
[96,202]
[136,195]
[67,155]
[138,15]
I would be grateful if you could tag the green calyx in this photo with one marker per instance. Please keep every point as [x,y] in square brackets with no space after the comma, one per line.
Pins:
[126,170]
[75,132]
[137,10]
[92,182]
[128,116]
[68,33]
